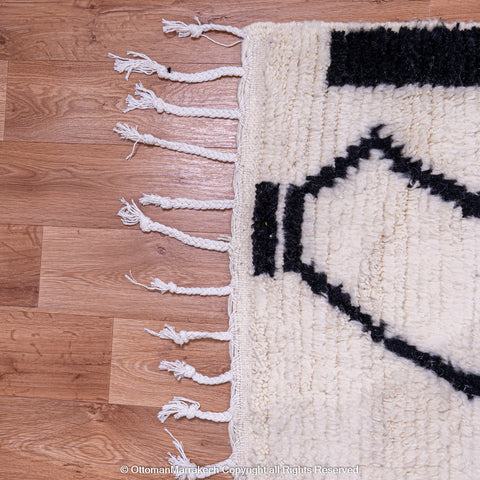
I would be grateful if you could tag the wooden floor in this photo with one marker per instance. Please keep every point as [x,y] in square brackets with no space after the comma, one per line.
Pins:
[79,381]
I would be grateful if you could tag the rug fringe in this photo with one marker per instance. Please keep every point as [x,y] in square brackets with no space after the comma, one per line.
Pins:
[198,30]
[185,336]
[130,213]
[141,63]
[131,133]
[168,203]
[163,287]
[181,369]
[148,100]
[184,469]
[181,407]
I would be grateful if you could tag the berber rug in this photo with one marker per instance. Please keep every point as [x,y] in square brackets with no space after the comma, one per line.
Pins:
[354,302]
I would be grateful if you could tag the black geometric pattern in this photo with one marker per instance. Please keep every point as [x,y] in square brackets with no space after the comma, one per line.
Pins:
[439,56]
[438,185]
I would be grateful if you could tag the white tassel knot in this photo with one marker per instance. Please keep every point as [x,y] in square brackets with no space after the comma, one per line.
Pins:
[178,368]
[131,215]
[184,469]
[169,333]
[184,30]
[148,100]
[181,462]
[198,30]
[131,133]
[182,369]
[185,336]
[141,63]
[157,284]
[179,407]
[168,203]
[163,287]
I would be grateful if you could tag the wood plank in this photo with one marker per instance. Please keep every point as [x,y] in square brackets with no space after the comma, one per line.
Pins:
[87,29]
[20,256]
[83,269]
[58,356]
[81,102]
[467,10]
[81,185]
[3,95]
[136,380]
[78,30]
[45,439]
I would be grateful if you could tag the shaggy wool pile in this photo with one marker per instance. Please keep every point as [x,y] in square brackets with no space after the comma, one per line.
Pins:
[355,253]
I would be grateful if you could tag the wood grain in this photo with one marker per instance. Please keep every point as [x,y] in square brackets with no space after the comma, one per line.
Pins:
[136,380]
[83,269]
[87,29]
[456,10]
[20,256]
[80,102]
[59,356]
[3,95]
[46,439]
[81,185]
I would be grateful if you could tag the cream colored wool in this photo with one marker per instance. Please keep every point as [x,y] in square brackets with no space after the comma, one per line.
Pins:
[310,389]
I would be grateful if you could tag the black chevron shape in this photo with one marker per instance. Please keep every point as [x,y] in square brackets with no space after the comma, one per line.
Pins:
[436,184]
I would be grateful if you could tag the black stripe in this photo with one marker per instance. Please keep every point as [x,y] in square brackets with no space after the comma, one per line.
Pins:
[448,57]
[436,184]
[264,236]
[447,189]
[465,382]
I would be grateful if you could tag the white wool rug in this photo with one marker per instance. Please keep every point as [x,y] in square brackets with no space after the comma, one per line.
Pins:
[355,250]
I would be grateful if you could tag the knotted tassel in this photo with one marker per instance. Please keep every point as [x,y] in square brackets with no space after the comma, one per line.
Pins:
[184,469]
[141,63]
[181,407]
[185,336]
[131,133]
[163,287]
[182,369]
[131,215]
[148,100]
[198,30]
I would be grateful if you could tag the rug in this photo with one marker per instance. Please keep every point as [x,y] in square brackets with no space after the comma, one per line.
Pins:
[355,250]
